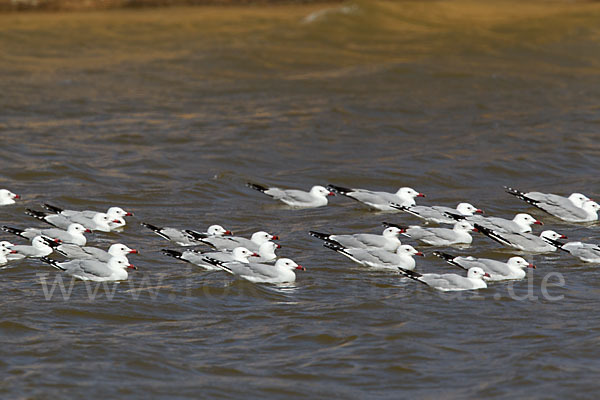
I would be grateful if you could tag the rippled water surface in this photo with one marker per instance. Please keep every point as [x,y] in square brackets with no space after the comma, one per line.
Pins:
[169,112]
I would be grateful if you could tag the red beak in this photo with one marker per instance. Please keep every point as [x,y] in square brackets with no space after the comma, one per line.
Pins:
[531,266]
[418,253]
[133,251]
[87,230]
[278,246]
[228,233]
[486,274]
[57,241]
[275,237]
[116,220]
[17,196]
[475,230]
[300,267]
[331,194]
[538,223]
[13,252]
[128,214]
[131,266]
[563,237]
[420,195]
[255,255]
[479,211]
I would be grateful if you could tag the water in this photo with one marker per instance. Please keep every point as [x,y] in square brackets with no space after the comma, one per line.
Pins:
[169,112]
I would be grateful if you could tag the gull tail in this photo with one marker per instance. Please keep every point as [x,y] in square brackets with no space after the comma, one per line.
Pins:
[173,253]
[492,235]
[196,235]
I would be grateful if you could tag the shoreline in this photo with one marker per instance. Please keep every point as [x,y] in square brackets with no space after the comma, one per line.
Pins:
[9,6]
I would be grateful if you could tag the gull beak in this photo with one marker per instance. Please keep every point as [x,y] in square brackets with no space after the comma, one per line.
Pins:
[479,211]
[331,194]
[538,223]
[418,253]
[275,237]
[228,233]
[563,237]
[255,255]
[128,214]
[133,251]
[278,246]
[475,230]
[531,266]
[116,221]
[301,268]
[17,196]
[87,230]
[487,275]
[420,195]
[131,266]
[12,252]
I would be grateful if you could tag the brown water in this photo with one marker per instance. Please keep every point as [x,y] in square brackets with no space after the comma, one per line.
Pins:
[169,112]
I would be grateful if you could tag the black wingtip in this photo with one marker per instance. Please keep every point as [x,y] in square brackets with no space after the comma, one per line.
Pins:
[172,253]
[444,256]
[319,235]
[196,235]
[339,189]
[392,225]
[35,214]
[51,208]
[151,227]
[52,262]
[399,207]
[454,216]
[12,230]
[256,186]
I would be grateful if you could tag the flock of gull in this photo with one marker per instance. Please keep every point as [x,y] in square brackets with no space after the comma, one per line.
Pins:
[254,258]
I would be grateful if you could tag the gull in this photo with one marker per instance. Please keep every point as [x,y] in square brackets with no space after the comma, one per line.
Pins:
[239,254]
[114,213]
[388,240]
[316,197]
[73,235]
[514,268]
[281,272]
[187,237]
[546,242]
[459,234]
[231,242]
[405,196]
[450,282]
[40,247]
[89,252]
[586,252]
[439,214]
[99,222]
[3,253]
[6,244]
[93,270]
[379,258]
[7,197]
[575,208]
[521,223]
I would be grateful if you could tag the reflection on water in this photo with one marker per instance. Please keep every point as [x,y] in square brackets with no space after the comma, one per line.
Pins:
[168,113]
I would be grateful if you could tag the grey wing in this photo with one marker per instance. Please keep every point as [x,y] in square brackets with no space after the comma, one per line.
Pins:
[262,271]
[80,219]
[440,234]
[297,196]
[95,268]
[98,254]
[240,241]
[384,258]
[73,251]
[499,224]
[221,243]
[469,262]
[495,267]
[367,196]
[446,281]
[585,251]
[435,213]
[275,193]
[558,206]
[59,221]
[178,236]
[370,240]
[27,251]
[361,256]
